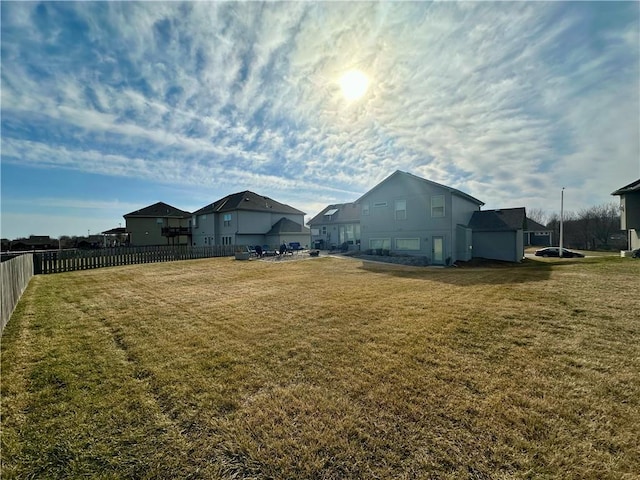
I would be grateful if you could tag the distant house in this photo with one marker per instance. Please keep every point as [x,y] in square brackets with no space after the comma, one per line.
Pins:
[34,242]
[630,212]
[115,237]
[247,218]
[406,214]
[158,224]
[536,234]
[498,234]
[336,225]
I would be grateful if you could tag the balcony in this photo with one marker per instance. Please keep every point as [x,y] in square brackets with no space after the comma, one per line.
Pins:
[175,231]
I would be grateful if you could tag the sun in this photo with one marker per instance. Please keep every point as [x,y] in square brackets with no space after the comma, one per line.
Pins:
[354,84]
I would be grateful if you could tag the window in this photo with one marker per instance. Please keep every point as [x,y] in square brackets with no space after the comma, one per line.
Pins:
[379,204]
[227,219]
[384,243]
[159,221]
[365,209]
[437,206]
[324,230]
[407,244]
[226,240]
[401,209]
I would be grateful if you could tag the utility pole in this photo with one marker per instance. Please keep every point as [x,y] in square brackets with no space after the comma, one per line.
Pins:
[561,221]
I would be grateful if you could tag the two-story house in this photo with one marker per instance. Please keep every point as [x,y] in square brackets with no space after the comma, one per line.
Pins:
[630,212]
[246,218]
[158,224]
[407,214]
[336,226]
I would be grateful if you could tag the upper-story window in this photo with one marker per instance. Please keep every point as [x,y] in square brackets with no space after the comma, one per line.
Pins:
[379,204]
[401,209]
[365,209]
[227,219]
[437,206]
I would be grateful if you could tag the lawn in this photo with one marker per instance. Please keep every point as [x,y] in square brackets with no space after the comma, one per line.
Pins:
[325,369]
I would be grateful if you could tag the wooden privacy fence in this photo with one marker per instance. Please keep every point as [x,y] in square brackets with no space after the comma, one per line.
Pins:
[15,275]
[57,261]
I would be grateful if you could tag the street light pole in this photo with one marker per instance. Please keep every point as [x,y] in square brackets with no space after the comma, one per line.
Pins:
[561,221]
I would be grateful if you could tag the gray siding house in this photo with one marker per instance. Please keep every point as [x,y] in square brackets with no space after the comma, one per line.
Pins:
[246,218]
[158,224]
[630,212]
[498,234]
[335,226]
[406,214]
[537,234]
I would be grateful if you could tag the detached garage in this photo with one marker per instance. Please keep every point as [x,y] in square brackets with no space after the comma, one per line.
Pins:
[498,234]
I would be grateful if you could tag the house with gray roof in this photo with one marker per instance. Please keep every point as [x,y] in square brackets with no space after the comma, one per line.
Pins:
[498,234]
[247,218]
[630,212]
[158,224]
[537,234]
[406,214]
[336,226]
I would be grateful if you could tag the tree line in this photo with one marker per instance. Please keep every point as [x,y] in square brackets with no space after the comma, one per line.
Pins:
[591,228]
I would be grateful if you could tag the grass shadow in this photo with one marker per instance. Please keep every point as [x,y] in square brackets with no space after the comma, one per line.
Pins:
[471,273]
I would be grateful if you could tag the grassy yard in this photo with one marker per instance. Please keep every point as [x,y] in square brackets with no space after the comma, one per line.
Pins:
[325,369]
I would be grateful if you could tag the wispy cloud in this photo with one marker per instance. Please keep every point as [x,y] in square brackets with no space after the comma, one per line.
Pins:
[506,101]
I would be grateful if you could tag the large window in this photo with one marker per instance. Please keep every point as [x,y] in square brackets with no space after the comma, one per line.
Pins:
[437,206]
[407,244]
[227,219]
[401,209]
[384,243]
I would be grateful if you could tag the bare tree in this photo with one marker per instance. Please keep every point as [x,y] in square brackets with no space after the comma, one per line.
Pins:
[538,215]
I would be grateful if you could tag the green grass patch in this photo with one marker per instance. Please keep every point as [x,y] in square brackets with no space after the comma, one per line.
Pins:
[325,369]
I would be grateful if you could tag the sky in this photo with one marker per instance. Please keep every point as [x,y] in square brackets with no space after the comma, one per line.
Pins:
[108,107]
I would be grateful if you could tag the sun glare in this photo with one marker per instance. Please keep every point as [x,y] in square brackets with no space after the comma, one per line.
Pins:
[354,84]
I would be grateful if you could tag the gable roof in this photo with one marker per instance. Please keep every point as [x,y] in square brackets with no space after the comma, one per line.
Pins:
[247,201]
[344,213]
[632,187]
[399,173]
[503,220]
[533,226]
[159,209]
[284,225]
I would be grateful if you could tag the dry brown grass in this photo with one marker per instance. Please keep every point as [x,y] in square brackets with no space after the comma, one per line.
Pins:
[325,369]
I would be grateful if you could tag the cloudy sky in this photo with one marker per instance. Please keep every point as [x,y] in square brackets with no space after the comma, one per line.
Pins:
[108,107]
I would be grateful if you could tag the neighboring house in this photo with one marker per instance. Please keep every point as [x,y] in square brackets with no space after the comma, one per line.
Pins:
[335,226]
[630,212]
[115,237]
[246,218]
[34,242]
[158,224]
[406,214]
[498,234]
[536,234]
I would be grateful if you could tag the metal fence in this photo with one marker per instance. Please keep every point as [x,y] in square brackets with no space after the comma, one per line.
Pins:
[58,261]
[14,275]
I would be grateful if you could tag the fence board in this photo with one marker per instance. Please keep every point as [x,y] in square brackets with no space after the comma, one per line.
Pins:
[14,275]
[57,261]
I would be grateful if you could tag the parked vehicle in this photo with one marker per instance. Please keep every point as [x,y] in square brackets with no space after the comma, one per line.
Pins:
[555,252]
[636,253]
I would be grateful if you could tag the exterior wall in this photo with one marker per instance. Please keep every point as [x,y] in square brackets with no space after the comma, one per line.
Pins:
[538,239]
[507,246]
[274,241]
[245,228]
[630,218]
[464,243]
[419,223]
[334,234]
[634,239]
[204,232]
[145,231]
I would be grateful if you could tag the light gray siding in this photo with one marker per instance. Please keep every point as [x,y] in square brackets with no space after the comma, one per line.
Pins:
[420,223]
[507,246]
